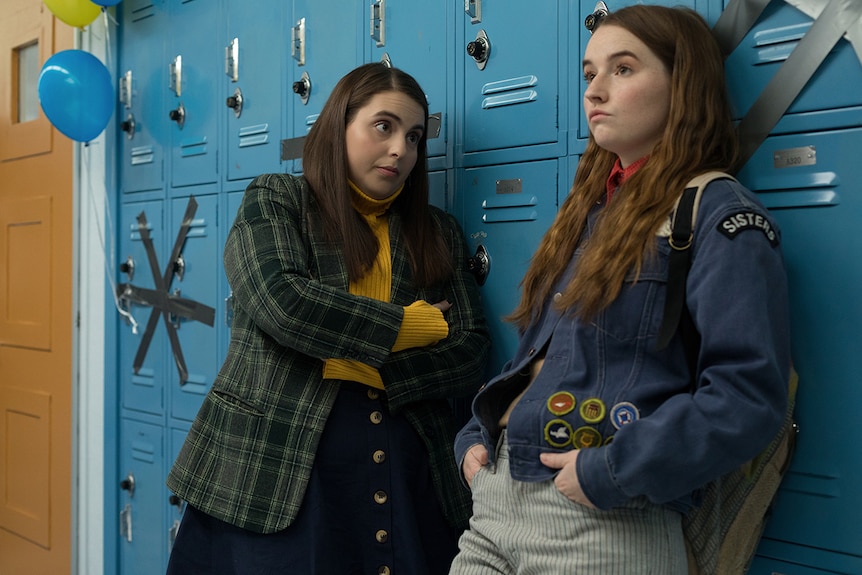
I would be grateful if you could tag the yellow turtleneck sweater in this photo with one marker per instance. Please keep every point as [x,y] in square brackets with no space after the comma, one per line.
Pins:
[423,324]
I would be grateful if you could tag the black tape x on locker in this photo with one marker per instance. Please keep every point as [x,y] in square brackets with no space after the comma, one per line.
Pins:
[163,302]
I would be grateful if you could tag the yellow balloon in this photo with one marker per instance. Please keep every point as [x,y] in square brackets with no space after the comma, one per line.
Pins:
[77,13]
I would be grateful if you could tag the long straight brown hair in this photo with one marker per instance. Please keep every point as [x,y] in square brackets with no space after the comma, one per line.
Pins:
[324,162]
[699,136]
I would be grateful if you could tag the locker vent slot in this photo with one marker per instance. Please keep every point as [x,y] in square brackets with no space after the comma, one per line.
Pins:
[509,208]
[810,190]
[143,451]
[144,378]
[776,45]
[254,135]
[142,155]
[194,148]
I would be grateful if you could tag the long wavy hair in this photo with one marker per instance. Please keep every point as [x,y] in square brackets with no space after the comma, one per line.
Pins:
[699,136]
[325,166]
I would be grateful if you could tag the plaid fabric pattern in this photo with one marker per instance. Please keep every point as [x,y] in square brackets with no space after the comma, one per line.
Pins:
[249,453]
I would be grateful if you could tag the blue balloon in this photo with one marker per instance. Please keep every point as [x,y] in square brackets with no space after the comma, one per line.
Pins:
[76,94]
[106,2]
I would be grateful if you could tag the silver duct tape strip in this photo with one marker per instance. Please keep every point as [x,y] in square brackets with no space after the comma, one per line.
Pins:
[833,21]
[736,21]
[813,9]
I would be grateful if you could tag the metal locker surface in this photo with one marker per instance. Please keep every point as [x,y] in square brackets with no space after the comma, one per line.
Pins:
[419,38]
[198,281]
[811,183]
[511,84]
[142,391]
[142,125]
[254,86]
[761,53]
[143,544]
[192,87]
[828,564]
[328,36]
[507,209]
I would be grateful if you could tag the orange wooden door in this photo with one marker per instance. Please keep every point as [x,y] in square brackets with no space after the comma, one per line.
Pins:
[36,324]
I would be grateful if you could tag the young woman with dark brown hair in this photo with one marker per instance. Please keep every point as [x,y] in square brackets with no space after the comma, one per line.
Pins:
[324,445]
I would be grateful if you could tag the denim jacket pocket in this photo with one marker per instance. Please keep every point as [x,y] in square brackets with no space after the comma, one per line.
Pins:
[637,311]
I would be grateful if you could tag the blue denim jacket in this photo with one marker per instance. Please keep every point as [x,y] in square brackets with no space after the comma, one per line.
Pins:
[642,427]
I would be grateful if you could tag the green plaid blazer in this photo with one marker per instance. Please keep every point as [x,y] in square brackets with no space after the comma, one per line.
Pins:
[248,456]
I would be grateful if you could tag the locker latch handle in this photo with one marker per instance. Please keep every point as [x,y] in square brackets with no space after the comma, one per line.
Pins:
[297,45]
[231,60]
[176,76]
[378,22]
[126,89]
[473,8]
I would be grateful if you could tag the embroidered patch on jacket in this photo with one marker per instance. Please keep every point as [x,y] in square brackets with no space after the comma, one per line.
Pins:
[561,403]
[585,437]
[733,224]
[558,433]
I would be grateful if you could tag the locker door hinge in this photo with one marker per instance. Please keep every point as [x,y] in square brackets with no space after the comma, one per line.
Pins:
[297,45]
[231,60]
[378,22]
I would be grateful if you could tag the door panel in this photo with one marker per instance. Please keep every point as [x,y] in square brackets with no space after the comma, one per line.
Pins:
[507,209]
[254,129]
[143,108]
[37,218]
[195,62]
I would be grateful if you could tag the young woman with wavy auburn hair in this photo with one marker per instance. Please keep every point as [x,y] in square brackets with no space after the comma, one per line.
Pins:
[586,451]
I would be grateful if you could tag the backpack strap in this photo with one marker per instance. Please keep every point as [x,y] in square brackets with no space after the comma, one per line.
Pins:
[681,235]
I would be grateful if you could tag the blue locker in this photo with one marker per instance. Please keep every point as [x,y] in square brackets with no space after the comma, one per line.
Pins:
[765,49]
[811,183]
[174,505]
[252,87]
[438,192]
[143,543]
[230,206]
[506,210]
[197,280]
[512,78]
[192,71]
[766,566]
[418,38]
[142,128]
[142,391]
[326,43]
